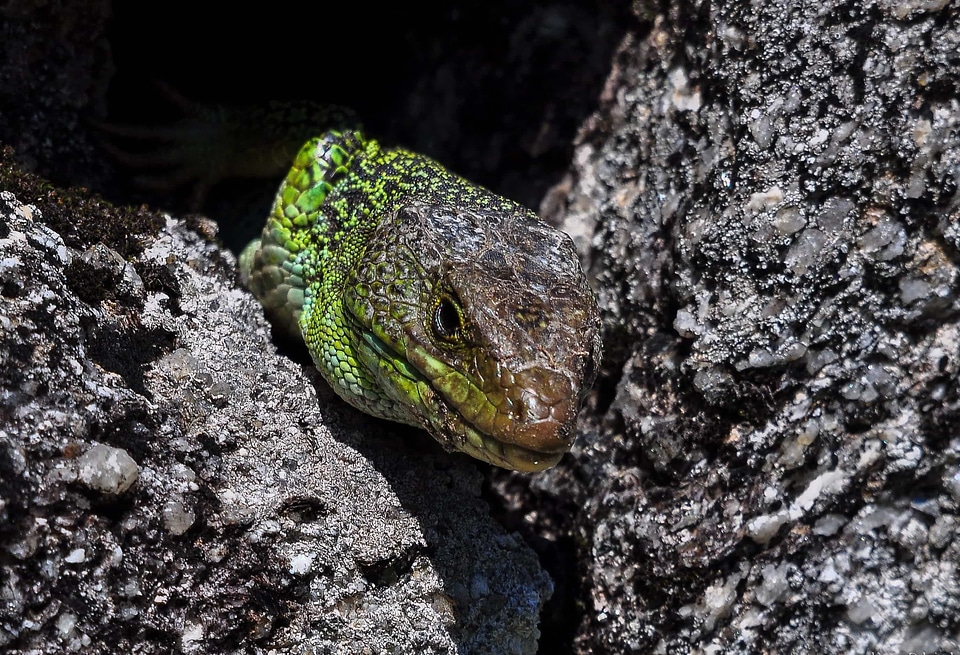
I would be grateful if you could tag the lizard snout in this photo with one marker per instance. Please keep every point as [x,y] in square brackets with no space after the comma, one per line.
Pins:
[545,408]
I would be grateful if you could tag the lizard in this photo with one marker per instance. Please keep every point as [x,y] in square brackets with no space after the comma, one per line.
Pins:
[422,298]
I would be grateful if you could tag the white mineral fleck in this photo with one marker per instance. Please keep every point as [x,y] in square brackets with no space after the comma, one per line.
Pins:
[951,482]
[861,611]
[831,482]
[804,252]
[66,622]
[107,469]
[762,130]
[764,200]
[718,599]
[684,98]
[177,517]
[943,531]
[686,325]
[912,289]
[763,528]
[192,634]
[829,524]
[901,9]
[886,239]
[301,564]
[181,364]
[774,586]
[921,132]
[76,556]
[760,358]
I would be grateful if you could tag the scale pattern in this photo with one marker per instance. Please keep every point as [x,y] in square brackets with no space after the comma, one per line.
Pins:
[429,300]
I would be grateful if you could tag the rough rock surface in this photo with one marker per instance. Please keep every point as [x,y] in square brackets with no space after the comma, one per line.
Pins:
[169,483]
[770,200]
[767,202]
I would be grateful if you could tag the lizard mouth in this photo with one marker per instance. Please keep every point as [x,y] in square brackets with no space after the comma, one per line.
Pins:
[506,455]
[413,382]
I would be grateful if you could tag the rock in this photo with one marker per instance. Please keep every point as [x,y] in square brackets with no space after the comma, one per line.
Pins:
[777,263]
[170,482]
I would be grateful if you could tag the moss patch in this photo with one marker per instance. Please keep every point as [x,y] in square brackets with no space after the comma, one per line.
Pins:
[80,217]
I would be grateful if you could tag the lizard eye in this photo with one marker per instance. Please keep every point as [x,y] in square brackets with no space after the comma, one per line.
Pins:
[447,321]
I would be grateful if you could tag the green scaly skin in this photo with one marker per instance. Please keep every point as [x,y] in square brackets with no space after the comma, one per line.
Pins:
[428,300]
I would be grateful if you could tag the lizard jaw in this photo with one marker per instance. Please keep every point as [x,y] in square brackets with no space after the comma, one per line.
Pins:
[428,407]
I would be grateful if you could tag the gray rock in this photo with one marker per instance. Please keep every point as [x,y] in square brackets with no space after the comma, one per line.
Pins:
[770,197]
[170,483]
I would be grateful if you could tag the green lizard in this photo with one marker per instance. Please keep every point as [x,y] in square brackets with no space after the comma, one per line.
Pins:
[423,298]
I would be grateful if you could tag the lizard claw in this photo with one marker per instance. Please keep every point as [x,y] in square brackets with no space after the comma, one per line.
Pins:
[211,143]
[193,152]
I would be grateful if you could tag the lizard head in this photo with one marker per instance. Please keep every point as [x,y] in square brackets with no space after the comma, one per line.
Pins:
[480,324]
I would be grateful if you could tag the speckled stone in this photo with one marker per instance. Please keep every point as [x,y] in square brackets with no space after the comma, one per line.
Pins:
[165,470]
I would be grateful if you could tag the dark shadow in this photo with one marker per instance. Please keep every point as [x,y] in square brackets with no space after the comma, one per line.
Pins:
[495,91]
